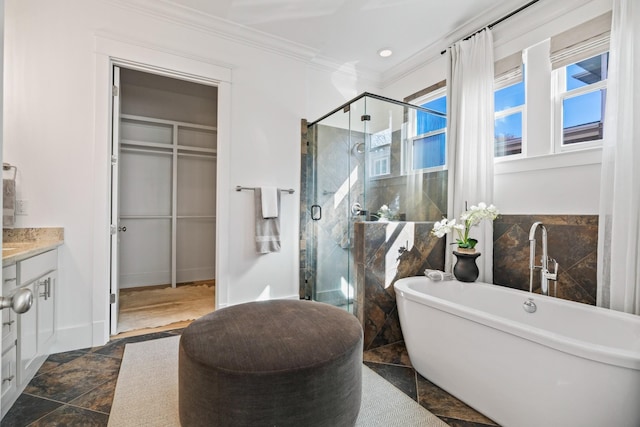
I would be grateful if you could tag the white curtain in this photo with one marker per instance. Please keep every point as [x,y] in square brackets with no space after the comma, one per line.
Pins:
[619,224]
[471,140]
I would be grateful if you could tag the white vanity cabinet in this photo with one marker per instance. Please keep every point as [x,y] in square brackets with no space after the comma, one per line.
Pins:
[36,327]
[9,389]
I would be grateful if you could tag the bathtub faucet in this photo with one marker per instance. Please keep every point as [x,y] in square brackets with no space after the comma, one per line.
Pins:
[545,274]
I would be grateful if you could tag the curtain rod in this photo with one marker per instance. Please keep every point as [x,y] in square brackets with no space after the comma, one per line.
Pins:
[499,20]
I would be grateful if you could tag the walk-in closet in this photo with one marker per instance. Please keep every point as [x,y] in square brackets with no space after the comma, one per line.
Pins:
[166,197]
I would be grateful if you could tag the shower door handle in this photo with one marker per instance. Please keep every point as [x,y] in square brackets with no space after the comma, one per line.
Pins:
[316,212]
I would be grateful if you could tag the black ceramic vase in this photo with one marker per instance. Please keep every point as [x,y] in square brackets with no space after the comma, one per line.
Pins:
[465,268]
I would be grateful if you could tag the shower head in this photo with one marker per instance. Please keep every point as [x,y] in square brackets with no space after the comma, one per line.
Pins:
[358,148]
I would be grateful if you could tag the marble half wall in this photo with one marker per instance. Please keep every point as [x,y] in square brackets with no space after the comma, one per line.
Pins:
[385,252]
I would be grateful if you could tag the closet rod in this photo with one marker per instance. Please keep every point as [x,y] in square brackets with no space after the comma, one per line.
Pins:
[288,190]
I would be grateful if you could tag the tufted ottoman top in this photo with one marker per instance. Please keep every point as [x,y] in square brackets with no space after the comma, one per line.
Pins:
[271,336]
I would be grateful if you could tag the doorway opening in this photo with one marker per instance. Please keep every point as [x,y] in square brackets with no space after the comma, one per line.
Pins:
[163,201]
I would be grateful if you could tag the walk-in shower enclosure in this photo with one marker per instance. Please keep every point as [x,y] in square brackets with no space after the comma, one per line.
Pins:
[372,159]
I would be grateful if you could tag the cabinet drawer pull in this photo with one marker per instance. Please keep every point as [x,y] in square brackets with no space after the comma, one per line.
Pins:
[10,279]
[9,323]
[46,294]
[8,379]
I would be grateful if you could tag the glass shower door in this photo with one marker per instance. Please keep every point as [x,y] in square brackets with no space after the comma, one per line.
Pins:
[369,160]
[333,185]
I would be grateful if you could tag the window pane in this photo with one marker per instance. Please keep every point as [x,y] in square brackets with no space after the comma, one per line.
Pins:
[438,104]
[509,97]
[582,117]
[508,135]
[379,159]
[429,152]
[426,122]
[587,71]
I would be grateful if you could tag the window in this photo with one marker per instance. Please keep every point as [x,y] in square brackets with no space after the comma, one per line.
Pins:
[380,153]
[579,60]
[427,148]
[509,105]
[581,100]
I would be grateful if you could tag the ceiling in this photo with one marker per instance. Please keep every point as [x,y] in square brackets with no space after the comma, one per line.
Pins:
[352,31]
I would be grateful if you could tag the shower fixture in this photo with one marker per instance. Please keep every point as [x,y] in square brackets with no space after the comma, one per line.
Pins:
[358,148]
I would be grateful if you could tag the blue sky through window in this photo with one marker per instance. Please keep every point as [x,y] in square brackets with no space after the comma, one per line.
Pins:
[427,122]
[509,97]
[589,107]
[582,109]
[430,151]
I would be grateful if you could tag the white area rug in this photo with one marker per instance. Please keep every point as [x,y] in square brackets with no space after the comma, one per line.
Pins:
[160,307]
[147,392]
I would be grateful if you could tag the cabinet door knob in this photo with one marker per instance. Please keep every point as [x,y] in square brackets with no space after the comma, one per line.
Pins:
[10,378]
[9,323]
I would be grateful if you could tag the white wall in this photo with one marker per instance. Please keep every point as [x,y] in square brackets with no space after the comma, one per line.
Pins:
[565,184]
[56,132]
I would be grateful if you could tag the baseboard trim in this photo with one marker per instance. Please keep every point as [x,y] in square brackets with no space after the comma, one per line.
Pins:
[74,338]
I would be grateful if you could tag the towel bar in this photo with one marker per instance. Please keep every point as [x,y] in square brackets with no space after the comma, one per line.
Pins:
[288,190]
[7,166]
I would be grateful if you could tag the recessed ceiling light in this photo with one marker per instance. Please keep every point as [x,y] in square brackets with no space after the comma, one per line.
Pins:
[385,52]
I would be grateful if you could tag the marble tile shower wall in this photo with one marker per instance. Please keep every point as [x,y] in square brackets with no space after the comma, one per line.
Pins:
[305,220]
[572,241]
[376,309]
[419,196]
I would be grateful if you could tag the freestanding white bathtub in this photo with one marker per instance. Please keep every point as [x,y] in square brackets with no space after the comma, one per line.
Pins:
[567,364]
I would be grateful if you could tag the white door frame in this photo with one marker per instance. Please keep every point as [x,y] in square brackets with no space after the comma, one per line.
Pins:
[114,227]
[1,129]
[109,52]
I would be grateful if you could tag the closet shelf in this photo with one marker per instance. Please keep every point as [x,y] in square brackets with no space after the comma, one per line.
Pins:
[196,216]
[167,216]
[145,217]
[127,143]
[167,122]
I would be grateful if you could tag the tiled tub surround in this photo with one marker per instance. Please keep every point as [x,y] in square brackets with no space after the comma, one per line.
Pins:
[572,241]
[379,264]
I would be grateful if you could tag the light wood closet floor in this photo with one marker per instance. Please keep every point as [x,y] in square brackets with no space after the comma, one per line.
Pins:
[160,308]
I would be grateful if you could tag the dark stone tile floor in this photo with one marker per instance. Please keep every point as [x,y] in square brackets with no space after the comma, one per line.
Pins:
[76,388]
[392,363]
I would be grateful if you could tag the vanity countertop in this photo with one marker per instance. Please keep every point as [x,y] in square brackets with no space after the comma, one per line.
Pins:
[22,243]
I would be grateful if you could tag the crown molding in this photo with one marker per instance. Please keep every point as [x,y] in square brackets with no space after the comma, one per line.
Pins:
[199,21]
[527,20]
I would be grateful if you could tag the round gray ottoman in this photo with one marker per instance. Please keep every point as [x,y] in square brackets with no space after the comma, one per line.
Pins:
[271,363]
